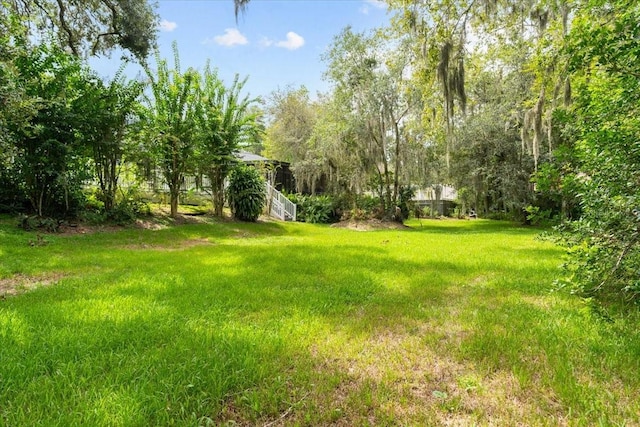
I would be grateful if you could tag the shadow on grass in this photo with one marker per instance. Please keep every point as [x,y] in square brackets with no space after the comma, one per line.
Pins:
[25,252]
[480,226]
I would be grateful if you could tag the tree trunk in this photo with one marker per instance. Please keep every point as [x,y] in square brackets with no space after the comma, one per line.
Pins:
[174,193]
[174,204]
[438,192]
[389,209]
[216,177]
[396,177]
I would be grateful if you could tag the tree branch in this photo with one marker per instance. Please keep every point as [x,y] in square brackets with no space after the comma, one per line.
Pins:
[65,27]
[615,268]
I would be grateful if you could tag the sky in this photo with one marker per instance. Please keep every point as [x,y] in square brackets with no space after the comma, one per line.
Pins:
[275,43]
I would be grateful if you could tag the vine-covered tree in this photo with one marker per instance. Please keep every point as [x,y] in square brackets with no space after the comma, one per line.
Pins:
[292,119]
[370,80]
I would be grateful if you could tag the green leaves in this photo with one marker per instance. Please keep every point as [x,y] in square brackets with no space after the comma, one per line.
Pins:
[46,136]
[224,121]
[170,121]
[314,209]
[91,27]
[604,244]
[246,193]
[194,123]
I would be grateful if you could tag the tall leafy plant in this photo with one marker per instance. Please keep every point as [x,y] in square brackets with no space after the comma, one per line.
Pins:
[225,121]
[47,145]
[246,191]
[169,121]
[110,109]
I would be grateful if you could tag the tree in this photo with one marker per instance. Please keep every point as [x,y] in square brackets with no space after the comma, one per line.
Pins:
[333,151]
[170,122]
[109,108]
[47,147]
[457,42]
[605,242]
[292,118]
[370,81]
[225,121]
[487,162]
[92,27]
[487,159]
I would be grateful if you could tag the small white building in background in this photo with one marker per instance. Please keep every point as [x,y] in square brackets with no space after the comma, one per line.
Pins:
[442,203]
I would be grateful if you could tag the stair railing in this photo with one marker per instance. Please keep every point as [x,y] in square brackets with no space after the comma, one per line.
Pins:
[281,207]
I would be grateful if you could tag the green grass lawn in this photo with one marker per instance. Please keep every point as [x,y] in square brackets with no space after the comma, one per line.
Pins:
[447,322]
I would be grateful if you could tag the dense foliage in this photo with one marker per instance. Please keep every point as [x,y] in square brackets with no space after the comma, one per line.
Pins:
[90,27]
[315,208]
[246,193]
[44,143]
[62,129]
[604,241]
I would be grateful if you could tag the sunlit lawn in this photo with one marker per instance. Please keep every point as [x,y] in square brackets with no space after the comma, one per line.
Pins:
[448,322]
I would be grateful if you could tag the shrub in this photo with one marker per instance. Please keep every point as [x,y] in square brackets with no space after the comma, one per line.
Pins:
[366,207]
[457,212]
[538,216]
[34,222]
[422,212]
[318,209]
[314,209]
[129,206]
[246,193]
[369,204]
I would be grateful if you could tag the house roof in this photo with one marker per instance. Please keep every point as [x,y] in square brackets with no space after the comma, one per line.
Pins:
[247,157]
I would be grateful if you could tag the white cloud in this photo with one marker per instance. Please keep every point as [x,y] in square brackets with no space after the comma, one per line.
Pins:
[379,4]
[293,41]
[167,26]
[231,37]
[368,4]
[266,42]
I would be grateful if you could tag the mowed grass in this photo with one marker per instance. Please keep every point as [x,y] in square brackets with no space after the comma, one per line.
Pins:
[444,323]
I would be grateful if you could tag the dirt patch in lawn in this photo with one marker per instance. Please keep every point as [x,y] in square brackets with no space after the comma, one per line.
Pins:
[20,283]
[369,225]
[161,218]
[402,376]
[158,221]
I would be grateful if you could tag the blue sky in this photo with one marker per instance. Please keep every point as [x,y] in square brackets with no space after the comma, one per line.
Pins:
[275,42]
